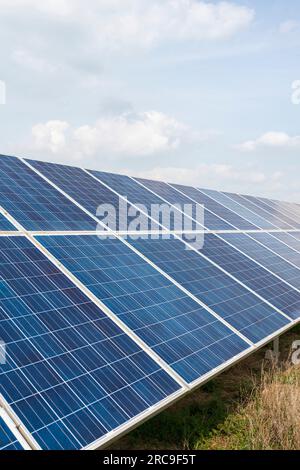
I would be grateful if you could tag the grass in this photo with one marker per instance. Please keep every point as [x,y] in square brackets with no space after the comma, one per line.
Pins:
[254,405]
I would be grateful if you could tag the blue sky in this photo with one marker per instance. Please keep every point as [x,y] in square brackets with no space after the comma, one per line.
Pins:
[183,90]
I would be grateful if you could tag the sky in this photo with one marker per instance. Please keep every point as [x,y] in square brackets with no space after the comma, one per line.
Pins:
[203,93]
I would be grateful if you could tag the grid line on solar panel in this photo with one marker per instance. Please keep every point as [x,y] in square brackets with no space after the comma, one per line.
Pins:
[277,246]
[289,238]
[242,211]
[34,203]
[214,207]
[90,193]
[275,210]
[291,210]
[253,317]
[244,202]
[176,191]
[176,327]
[173,197]
[266,257]
[8,440]
[163,187]
[261,281]
[70,382]
[5,225]
[138,194]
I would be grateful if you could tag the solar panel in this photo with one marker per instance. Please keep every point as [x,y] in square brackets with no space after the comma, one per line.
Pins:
[278,247]
[265,257]
[5,225]
[71,374]
[101,332]
[88,192]
[242,211]
[34,203]
[274,221]
[8,438]
[238,306]
[232,220]
[280,217]
[253,275]
[135,193]
[178,329]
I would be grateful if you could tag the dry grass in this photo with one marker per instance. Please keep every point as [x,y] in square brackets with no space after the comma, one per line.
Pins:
[250,406]
[270,419]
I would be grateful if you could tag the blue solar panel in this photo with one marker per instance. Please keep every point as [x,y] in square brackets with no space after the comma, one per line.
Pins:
[289,254]
[172,196]
[238,306]
[34,203]
[176,327]
[136,194]
[242,211]
[291,239]
[71,375]
[88,192]
[265,257]
[225,220]
[280,218]
[254,276]
[5,225]
[274,222]
[8,440]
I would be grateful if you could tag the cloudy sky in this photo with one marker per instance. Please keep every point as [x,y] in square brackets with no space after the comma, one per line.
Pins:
[191,91]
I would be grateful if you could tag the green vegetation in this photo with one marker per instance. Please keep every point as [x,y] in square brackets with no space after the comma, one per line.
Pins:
[254,405]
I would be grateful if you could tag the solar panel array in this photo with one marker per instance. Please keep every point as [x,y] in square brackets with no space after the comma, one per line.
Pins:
[101,332]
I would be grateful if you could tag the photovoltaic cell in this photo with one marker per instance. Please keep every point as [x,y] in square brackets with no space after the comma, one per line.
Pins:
[272,261]
[242,211]
[274,221]
[34,203]
[136,194]
[171,196]
[71,374]
[278,247]
[233,302]
[254,276]
[289,238]
[5,225]
[191,340]
[284,220]
[8,440]
[224,219]
[90,193]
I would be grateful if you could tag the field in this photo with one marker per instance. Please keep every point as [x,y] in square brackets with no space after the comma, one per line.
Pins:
[254,405]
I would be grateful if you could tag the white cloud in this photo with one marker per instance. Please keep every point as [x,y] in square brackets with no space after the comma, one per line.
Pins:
[289,26]
[224,177]
[129,134]
[116,24]
[50,136]
[272,140]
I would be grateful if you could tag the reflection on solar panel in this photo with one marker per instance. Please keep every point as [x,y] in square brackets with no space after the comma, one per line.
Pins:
[214,207]
[85,190]
[98,333]
[183,333]
[5,225]
[8,440]
[71,374]
[238,306]
[34,203]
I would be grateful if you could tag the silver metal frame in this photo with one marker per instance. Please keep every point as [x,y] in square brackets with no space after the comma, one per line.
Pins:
[185,387]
